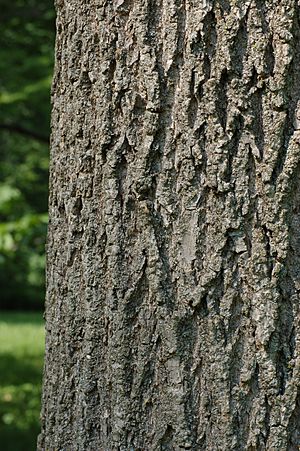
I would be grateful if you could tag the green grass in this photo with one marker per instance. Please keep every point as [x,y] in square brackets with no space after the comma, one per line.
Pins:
[21,363]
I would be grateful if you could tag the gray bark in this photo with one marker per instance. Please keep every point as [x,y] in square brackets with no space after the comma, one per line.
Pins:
[172,309]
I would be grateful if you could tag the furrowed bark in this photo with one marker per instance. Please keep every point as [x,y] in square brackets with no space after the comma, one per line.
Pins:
[172,308]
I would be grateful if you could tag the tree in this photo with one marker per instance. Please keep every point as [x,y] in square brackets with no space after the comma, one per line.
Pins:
[174,246]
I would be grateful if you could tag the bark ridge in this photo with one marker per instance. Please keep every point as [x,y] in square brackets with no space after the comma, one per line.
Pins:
[174,238]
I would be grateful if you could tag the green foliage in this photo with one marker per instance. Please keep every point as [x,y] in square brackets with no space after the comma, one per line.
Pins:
[26,60]
[22,259]
[21,362]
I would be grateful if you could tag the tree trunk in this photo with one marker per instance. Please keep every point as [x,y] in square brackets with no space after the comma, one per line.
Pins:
[172,309]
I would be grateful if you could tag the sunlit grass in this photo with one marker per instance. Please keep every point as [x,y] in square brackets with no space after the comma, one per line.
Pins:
[21,362]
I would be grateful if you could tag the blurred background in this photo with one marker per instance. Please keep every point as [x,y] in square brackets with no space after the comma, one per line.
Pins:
[26,64]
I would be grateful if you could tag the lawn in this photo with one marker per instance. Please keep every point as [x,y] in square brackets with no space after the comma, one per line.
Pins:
[21,364]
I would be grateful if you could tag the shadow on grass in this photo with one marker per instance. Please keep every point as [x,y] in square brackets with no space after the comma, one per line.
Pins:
[17,318]
[20,381]
[15,371]
[19,403]
[14,439]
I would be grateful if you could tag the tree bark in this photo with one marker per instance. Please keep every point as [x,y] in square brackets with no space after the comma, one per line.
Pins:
[172,309]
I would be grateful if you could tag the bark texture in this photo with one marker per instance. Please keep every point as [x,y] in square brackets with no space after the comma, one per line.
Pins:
[174,238]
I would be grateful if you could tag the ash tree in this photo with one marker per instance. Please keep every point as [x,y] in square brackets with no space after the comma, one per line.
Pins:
[172,309]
